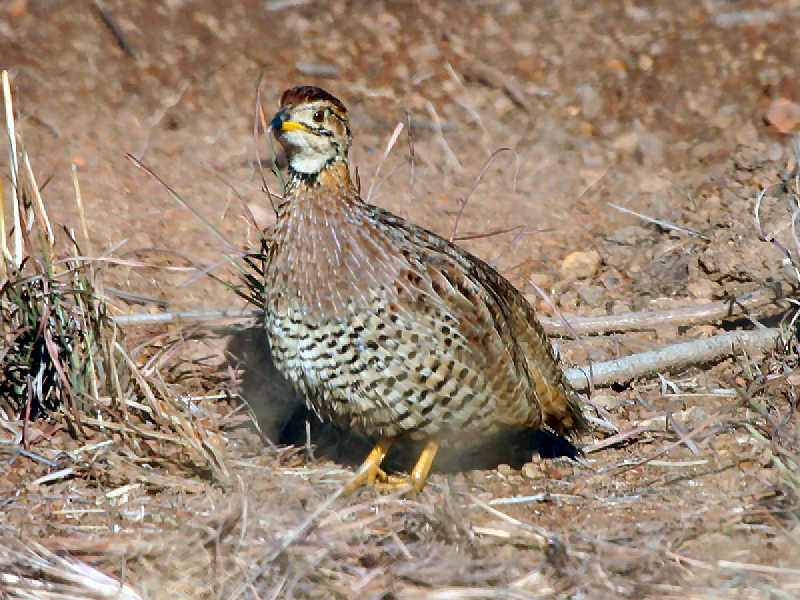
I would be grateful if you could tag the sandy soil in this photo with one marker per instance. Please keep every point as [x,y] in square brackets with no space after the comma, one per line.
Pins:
[671,111]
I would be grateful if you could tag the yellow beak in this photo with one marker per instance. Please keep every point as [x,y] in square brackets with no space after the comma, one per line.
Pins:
[292,126]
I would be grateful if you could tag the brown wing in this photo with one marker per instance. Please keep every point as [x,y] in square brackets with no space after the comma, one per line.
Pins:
[498,329]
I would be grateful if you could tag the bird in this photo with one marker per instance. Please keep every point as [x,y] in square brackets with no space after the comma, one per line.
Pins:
[386,328]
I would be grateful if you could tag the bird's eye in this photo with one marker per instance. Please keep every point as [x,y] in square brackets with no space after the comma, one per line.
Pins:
[319,116]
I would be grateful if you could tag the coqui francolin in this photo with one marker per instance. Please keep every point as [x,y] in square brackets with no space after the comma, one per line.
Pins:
[386,327]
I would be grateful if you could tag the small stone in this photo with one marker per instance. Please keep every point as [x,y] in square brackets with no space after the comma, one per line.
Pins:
[774,152]
[543,280]
[580,265]
[783,115]
[746,134]
[702,289]
[609,401]
[532,471]
[627,142]
[568,301]
[704,150]
[687,418]
[618,307]
[591,101]
[750,157]
[652,183]
[611,279]
[590,294]
[651,147]
[628,236]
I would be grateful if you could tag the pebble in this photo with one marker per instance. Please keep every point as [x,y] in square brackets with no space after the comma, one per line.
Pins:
[629,236]
[702,289]
[783,115]
[618,307]
[504,469]
[610,401]
[590,295]
[532,470]
[611,279]
[686,418]
[580,265]
[543,280]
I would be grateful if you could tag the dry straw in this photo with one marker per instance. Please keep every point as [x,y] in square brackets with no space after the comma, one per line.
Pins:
[65,367]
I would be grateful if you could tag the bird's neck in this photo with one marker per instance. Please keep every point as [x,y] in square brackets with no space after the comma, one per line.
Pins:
[329,252]
[335,175]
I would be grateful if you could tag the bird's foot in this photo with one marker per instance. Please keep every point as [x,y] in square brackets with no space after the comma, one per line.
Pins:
[371,474]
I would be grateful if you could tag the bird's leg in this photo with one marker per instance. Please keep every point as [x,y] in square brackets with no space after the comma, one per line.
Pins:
[371,474]
[418,474]
[371,467]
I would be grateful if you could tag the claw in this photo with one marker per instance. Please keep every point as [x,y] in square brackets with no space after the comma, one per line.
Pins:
[370,469]
[371,474]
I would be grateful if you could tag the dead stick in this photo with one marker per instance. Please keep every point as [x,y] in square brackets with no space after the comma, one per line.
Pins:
[116,30]
[633,321]
[638,321]
[614,371]
[673,357]
[186,317]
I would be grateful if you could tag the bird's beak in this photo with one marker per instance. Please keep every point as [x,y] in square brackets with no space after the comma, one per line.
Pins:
[280,122]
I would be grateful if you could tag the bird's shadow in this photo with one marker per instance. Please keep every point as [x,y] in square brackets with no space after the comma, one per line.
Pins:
[284,419]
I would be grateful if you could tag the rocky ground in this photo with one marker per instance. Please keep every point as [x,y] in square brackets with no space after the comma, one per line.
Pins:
[681,113]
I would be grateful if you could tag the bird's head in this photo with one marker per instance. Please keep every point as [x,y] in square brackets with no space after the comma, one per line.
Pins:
[313,127]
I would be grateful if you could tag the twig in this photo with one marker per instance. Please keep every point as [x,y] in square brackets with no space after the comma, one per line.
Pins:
[186,317]
[476,235]
[389,145]
[261,119]
[460,99]
[749,18]
[291,537]
[477,180]
[634,321]
[567,326]
[448,151]
[604,373]
[492,76]
[316,69]
[38,205]
[116,30]
[674,357]
[27,566]
[542,534]
[660,222]
[16,259]
[648,320]
[175,196]
[764,237]
[614,439]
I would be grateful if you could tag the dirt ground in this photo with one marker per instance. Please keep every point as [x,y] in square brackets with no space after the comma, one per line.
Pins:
[680,111]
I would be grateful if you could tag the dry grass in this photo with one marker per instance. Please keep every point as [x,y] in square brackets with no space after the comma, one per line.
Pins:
[116,486]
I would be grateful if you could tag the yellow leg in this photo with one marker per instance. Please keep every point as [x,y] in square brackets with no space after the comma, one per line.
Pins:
[420,472]
[371,467]
[372,475]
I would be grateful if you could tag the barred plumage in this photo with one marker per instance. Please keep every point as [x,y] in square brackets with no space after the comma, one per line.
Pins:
[386,327]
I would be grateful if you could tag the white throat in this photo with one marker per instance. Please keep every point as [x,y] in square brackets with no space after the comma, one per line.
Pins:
[309,153]
[308,162]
